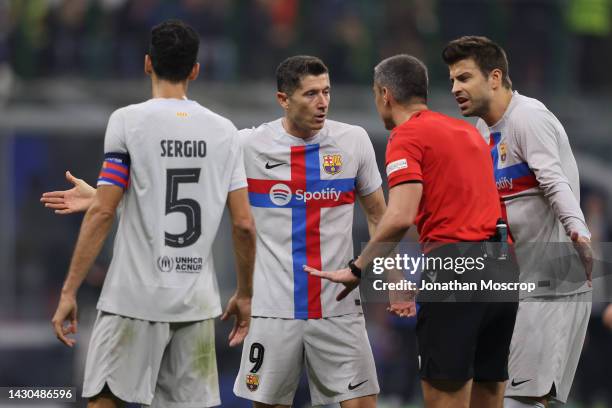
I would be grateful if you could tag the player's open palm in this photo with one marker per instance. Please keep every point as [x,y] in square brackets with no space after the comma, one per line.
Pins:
[240,308]
[66,312]
[77,199]
[403,308]
[343,276]
[401,302]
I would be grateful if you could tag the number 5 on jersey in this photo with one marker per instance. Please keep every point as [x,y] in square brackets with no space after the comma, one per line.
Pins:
[187,206]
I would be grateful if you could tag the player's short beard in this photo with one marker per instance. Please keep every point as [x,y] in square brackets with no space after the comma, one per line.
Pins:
[480,107]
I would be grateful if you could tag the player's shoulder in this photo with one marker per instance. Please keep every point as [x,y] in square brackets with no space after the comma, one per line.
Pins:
[528,111]
[134,109]
[335,127]
[123,111]
[343,132]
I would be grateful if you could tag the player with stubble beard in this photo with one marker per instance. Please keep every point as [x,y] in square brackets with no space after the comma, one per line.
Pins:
[538,185]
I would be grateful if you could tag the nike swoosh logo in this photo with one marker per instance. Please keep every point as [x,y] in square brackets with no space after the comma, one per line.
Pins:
[517,383]
[352,387]
[271,166]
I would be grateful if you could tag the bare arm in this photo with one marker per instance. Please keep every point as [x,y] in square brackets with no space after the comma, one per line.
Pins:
[404,200]
[95,228]
[243,235]
[374,207]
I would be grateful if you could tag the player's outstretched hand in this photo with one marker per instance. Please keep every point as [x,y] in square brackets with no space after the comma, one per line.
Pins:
[583,247]
[403,309]
[401,302]
[66,312]
[77,199]
[344,276]
[240,308]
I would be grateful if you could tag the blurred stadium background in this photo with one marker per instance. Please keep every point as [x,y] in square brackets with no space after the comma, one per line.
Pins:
[65,65]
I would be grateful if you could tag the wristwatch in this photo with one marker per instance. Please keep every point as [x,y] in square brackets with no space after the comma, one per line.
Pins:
[355,270]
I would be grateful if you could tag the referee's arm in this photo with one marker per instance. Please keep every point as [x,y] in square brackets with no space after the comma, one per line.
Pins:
[404,200]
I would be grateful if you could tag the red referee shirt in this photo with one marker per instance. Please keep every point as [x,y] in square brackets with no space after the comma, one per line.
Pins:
[452,160]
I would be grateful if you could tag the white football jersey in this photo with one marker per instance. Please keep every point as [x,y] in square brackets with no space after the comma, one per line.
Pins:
[302,194]
[177,162]
[538,184]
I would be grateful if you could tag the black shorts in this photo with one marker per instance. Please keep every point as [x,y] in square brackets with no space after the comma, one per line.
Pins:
[464,335]
[463,340]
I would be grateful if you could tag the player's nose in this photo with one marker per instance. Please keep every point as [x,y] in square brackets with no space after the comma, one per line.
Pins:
[322,101]
[456,88]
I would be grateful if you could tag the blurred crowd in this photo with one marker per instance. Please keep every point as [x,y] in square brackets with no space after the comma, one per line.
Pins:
[245,39]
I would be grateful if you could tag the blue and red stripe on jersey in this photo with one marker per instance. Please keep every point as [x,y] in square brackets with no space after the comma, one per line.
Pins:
[510,179]
[305,221]
[115,170]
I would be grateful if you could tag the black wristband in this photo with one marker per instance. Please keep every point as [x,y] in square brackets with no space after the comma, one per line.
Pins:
[355,270]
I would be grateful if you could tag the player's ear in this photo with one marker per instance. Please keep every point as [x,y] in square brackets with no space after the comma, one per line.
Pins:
[195,71]
[495,78]
[283,99]
[386,95]
[148,65]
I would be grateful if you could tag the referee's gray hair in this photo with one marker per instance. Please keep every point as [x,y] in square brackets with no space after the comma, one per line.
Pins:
[405,76]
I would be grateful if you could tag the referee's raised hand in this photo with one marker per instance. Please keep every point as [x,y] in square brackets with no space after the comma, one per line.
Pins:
[344,276]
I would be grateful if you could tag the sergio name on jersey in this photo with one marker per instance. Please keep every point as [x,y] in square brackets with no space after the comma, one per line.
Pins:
[177,161]
[302,193]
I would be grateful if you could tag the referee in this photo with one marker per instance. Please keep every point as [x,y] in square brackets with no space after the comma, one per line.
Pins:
[441,179]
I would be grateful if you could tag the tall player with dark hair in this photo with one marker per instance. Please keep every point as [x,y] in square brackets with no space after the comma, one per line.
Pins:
[170,166]
[538,184]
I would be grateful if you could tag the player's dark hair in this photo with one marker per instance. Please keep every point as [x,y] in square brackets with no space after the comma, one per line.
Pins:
[291,71]
[173,50]
[486,54]
[404,76]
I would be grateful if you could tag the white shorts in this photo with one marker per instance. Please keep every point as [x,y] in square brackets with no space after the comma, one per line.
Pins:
[335,350]
[546,345]
[153,363]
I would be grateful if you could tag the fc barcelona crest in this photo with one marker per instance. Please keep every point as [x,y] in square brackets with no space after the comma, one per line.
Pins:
[332,163]
[252,382]
[502,152]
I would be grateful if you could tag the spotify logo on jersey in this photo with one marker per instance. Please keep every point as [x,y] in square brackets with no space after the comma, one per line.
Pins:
[280,194]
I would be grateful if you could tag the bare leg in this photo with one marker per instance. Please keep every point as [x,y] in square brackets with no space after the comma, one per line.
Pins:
[105,400]
[488,394]
[369,401]
[446,394]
